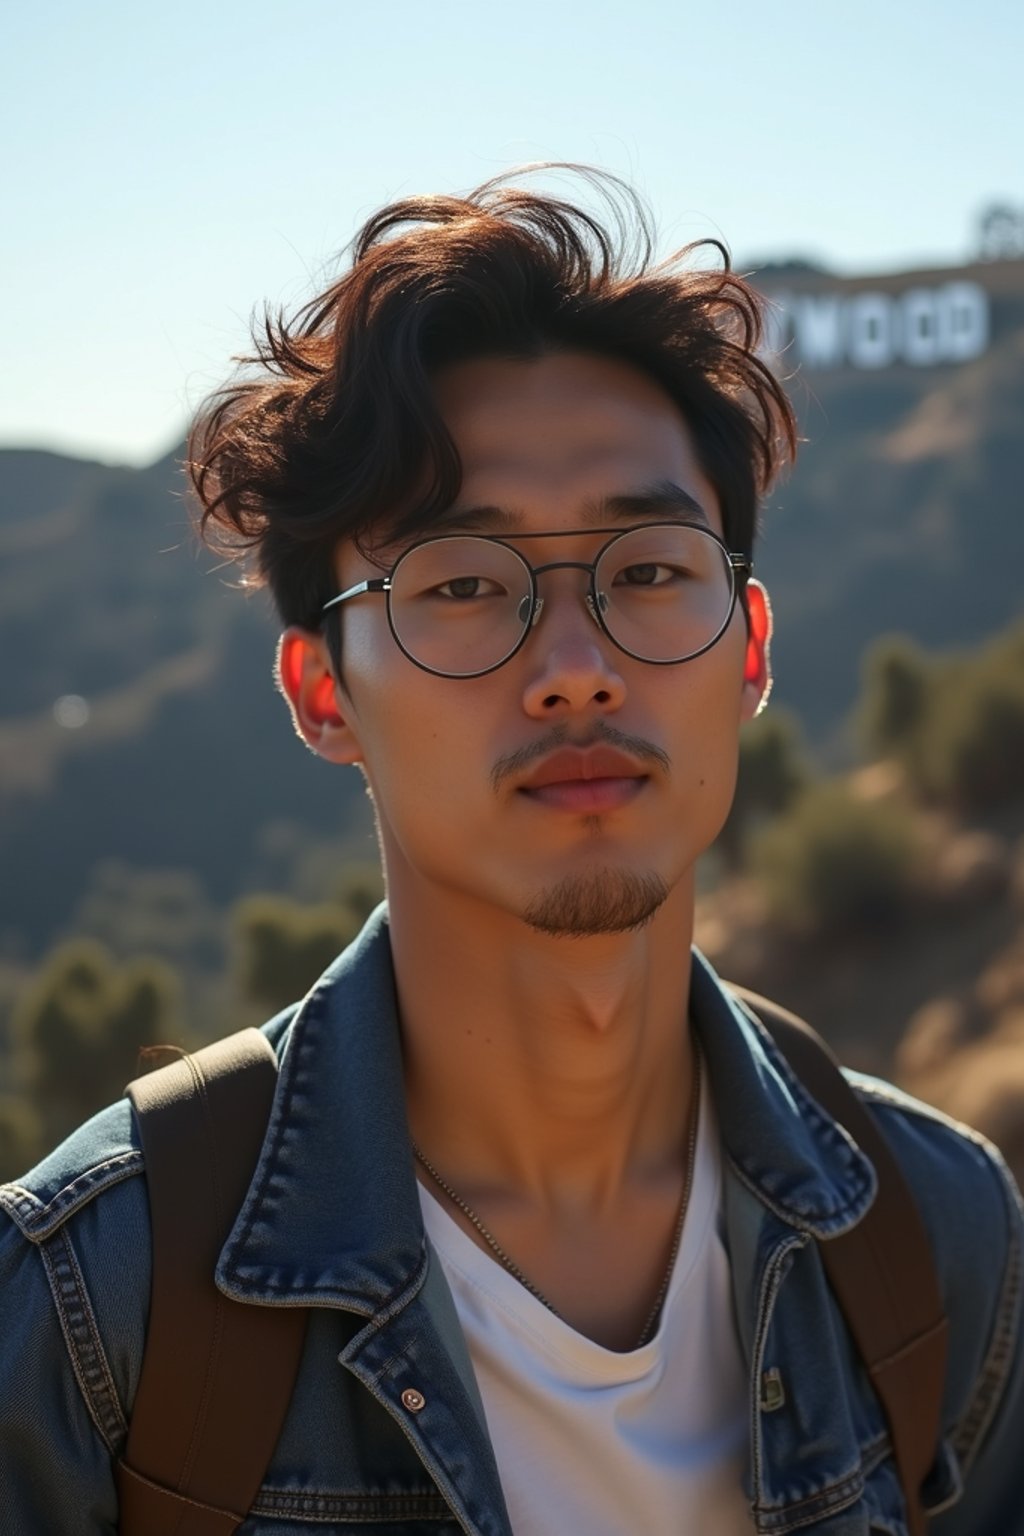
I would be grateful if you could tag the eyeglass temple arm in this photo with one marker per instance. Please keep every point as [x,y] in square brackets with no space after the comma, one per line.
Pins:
[377,584]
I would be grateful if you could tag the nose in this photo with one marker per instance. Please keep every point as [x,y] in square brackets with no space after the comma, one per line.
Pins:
[572,666]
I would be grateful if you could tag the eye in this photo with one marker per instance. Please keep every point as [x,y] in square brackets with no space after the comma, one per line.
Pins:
[648,574]
[463,588]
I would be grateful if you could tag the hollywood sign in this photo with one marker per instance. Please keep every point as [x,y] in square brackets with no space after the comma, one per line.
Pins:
[923,327]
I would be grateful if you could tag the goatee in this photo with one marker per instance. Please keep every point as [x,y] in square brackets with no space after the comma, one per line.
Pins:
[603,901]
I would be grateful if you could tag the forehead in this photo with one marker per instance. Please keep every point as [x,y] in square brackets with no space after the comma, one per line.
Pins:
[545,436]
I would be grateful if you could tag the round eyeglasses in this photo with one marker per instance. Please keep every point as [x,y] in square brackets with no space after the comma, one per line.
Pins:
[460,605]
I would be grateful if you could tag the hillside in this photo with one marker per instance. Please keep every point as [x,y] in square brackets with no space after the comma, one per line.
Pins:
[185,758]
[903,514]
[905,509]
[933,999]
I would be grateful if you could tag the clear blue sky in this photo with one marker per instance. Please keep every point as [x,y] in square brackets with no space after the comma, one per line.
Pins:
[163,170]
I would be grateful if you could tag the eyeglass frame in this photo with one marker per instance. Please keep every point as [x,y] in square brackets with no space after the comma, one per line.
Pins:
[739,566]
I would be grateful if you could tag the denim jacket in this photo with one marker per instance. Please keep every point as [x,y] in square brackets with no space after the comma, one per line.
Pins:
[332,1222]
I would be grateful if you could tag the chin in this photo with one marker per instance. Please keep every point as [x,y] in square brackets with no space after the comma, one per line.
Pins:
[599,901]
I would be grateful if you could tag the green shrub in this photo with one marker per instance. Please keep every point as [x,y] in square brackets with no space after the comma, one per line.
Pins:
[773,772]
[359,888]
[21,1135]
[973,750]
[956,724]
[835,863]
[896,678]
[281,947]
[78,1028]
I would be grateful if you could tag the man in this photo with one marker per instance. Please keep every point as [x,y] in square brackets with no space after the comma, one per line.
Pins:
[550,1194]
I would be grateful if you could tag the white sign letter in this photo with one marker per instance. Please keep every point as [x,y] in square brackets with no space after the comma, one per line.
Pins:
[919,312]
[869,317]
[963,321]
[817,322]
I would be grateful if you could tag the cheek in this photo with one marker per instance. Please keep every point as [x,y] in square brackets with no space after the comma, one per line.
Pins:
[715,685]
[707,741]
[425,755]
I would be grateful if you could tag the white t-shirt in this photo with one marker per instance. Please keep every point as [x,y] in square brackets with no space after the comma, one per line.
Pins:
[650,1442]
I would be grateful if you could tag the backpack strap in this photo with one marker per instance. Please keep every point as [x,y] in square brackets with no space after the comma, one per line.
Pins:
[881,1271]
[217,1375]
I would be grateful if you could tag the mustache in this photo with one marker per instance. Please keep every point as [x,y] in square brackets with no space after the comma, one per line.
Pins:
[514,764]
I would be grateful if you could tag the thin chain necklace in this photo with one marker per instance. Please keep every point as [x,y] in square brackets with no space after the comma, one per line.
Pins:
[507,1263]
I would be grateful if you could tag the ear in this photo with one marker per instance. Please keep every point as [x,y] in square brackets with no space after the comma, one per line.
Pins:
[757,668]
[319,710]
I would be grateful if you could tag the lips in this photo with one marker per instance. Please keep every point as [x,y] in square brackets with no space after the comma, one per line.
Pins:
[575,765]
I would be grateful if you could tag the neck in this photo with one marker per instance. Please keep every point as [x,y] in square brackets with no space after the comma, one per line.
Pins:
[556,1069]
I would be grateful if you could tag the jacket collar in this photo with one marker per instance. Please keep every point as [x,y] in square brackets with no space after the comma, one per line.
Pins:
[795,1158]
[332,1216]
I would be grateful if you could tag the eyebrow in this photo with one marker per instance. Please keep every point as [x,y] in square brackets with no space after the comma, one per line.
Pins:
[661,499]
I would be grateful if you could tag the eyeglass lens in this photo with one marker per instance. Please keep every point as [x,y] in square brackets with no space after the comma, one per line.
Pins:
[461,605]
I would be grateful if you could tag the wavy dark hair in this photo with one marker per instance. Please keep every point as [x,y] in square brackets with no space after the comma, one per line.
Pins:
[331,430]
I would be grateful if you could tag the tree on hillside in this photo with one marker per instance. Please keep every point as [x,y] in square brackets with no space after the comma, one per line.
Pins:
[79,1027]
[359,888]
[975,741]
[21,1135]
[281,947]
[894,698]
[1001,232]
[955,723]
[772,773]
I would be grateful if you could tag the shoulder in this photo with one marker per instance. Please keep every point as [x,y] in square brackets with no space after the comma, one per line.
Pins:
[98,1158]
[75,1259]
[973,1214]
[962,1185]
[102,1153]
[75,1239]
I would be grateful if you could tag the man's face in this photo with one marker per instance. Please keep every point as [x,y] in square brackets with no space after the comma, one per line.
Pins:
[454,764]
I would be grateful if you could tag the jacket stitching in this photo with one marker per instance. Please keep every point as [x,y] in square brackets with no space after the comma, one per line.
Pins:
[321,1505]
[82,1340]
[779,1524]
[307,1012]
[826,1130]
[969,1434]
[776,1521]
[770,1284]
[825,1501]
[271,1145]
[38,1222]
[893,1098]
[785,1213]
[833,1497]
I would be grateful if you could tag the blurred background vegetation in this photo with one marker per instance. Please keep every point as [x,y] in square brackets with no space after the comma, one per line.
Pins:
[174,865]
